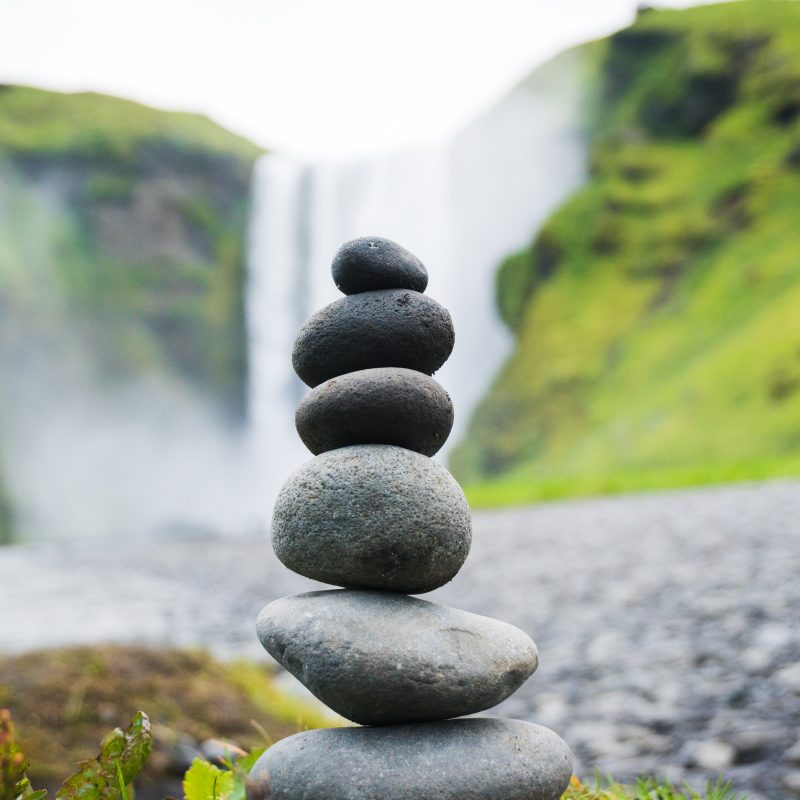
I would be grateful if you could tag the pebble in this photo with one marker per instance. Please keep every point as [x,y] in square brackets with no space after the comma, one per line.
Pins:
[792,755]
[713,755]
[791,780]
[789,677]
[387,405]
[373,516]
[391,328]
[379,658]
[373,262]
[465,759]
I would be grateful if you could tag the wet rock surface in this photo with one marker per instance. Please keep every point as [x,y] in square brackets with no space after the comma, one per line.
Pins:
[392,328]
[462,759]
[370,263]
[388,405]
[379,658]
[373,516]
[664,620]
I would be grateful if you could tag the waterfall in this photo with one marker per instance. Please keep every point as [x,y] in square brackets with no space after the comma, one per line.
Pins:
[460,205]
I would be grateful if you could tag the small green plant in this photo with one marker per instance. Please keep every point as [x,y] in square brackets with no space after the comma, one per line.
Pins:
[645,789]
[122,756]
[204,781]
[106,777]
[14,783]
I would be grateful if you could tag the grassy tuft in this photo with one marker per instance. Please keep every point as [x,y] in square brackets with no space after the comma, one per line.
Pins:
[646,789]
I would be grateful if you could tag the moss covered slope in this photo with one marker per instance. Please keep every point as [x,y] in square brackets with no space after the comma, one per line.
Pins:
[138,217]
[657,314]
[123,234]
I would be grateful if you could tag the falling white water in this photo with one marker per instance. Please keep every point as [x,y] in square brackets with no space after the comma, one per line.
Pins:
[461,206]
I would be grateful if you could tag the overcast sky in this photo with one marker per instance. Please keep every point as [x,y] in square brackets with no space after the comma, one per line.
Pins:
[321,77]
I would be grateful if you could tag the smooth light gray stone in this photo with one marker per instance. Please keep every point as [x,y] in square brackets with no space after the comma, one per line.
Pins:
[373,516]
[463,759]
[391,328]
[374,262]
[386,405]
[379,658]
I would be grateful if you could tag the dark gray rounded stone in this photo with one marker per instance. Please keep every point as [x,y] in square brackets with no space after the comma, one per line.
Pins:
[463,759]
[373,516]
[387,405]
[379,658]
[391,328]
[373,262]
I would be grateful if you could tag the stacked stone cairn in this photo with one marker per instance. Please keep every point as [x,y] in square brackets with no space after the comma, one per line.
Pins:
[373,513]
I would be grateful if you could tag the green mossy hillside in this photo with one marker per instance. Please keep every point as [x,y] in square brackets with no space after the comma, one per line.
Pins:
[123,236]
[657,313]
[138,217]
[45,124]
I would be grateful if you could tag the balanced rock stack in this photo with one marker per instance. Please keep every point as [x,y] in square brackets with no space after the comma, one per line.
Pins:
[374,514]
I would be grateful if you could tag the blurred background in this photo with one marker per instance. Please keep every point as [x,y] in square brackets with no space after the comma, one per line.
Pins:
[606,197]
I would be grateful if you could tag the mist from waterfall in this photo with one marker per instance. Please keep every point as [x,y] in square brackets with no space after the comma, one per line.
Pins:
[460,205]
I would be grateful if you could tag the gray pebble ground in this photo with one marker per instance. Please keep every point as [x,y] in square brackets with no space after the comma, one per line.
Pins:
[668,624]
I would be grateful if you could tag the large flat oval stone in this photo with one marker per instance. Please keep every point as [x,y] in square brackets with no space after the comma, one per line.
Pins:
[387,405]
[463,759]
[374,262]
[391,328]
[373,516]
[380,658]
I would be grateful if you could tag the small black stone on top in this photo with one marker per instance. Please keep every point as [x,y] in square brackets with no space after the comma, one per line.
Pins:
[373,262]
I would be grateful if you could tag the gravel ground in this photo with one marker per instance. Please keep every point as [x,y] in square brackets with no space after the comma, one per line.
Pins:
[668,623]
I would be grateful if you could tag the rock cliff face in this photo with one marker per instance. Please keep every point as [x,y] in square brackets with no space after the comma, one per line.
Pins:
[655,315]
[123,237]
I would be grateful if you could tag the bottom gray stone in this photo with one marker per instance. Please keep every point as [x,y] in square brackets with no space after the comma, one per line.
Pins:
[460,759]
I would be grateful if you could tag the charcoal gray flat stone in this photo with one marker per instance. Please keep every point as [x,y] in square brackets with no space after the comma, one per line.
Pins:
[464,759]
[387,405]
[391,328]
[379,658]
[373,262]
[373,516]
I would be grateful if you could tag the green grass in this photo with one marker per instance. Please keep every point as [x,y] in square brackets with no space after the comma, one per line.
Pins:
[656,315]
[37,123]
[513,491]
[646,789]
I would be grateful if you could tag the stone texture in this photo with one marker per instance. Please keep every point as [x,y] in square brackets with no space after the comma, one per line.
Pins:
[392,328]
[388,405]
[465,759]
[373,516]
[372,262]
[379,658]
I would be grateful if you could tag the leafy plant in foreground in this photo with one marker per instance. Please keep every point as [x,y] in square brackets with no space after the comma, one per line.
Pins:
[14,783]
[204,781]
[122,756]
